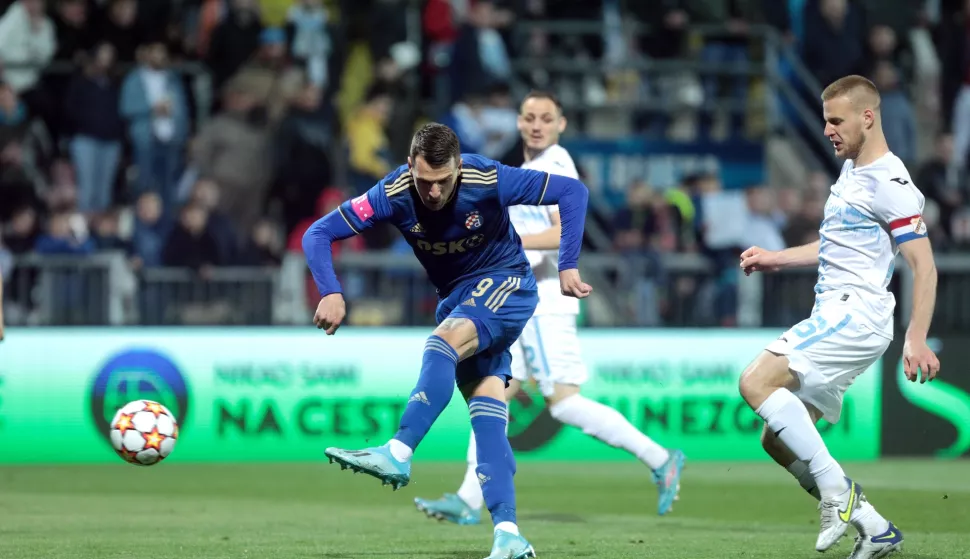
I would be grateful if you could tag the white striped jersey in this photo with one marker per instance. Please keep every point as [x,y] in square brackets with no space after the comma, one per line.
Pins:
[529,220]
[871,211]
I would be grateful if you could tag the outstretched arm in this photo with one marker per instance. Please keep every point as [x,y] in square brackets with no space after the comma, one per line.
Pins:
[349,219]
[800,256]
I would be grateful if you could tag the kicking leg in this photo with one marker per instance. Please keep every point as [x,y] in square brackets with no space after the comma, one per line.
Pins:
[567,405]
[453,340]
[766,386]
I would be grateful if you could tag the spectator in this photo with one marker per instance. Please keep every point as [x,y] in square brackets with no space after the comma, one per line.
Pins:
[233,150]
[154,105]
[23,231]
[233,41]
[106,233]
[91,110]
[190,244]
[151,231]
[13,111]
[27,44]
[302,155]
[206,194]
[480,57]
[73,31]
[310,39]
[120,28]
[262,248]
[898,116]
[932,181]
[64,237]
[17,178]
[761,228]
[834,42]
[369,150]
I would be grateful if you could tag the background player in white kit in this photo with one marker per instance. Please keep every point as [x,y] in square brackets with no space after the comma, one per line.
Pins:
[548,349]
[873,212]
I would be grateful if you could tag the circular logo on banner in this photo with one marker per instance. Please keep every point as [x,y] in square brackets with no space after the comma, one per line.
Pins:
[135,374]
[530,424]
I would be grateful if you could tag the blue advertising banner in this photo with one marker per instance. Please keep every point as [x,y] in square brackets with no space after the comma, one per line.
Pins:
[611,165]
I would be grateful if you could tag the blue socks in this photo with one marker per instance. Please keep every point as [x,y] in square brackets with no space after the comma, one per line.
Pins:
[496,464]
[431,395]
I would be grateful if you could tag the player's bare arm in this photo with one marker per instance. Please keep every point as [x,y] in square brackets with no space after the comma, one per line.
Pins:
[546,240]
[919,361]
[757,259]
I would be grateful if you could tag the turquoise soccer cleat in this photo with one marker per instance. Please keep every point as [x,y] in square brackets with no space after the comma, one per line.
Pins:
[667,478]
[375,461]
[510,546]
[450,508]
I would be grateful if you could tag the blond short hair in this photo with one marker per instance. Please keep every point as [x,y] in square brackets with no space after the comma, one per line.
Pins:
[857,88]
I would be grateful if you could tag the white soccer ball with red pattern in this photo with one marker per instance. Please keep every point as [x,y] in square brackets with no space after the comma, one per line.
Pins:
[144,432]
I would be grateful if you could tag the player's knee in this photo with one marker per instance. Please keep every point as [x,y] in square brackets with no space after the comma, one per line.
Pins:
[459,333]
[764,375]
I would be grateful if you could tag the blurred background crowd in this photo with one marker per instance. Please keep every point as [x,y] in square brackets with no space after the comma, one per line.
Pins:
[206,135]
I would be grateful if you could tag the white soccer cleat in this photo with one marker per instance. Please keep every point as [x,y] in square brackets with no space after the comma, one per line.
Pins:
[835,515]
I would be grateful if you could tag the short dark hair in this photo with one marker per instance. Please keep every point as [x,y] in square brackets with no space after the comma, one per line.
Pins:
[541,94]
[437,144]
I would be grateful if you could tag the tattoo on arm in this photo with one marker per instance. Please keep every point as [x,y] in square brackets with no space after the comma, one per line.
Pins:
[449,324]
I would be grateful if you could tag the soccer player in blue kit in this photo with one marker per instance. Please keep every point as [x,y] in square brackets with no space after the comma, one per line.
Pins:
[452,210]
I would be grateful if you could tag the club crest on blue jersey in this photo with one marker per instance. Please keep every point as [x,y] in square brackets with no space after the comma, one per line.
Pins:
[473,220]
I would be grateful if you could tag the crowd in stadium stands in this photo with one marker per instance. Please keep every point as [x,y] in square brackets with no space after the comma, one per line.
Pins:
[108,139]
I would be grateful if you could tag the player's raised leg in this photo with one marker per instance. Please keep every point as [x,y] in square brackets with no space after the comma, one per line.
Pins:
[453,340]
[766,386]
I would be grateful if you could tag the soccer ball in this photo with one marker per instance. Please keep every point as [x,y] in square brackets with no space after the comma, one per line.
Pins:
[144,432]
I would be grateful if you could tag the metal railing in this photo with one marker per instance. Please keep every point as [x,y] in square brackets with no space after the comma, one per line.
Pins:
[385,289]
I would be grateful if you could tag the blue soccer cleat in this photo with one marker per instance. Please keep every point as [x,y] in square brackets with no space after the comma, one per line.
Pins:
[510,546]
[375,461]
[667,478]
[876,547]
[450,508]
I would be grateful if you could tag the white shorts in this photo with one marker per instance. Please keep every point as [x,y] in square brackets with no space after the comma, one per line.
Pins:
[548,351]
[828,351]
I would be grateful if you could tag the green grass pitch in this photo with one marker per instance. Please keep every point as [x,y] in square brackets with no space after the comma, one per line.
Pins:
[317,511]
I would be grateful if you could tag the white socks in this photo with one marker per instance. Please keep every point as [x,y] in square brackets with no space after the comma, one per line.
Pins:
[788,419]
[400,451]
[509,527]
[470,490]
[609,426]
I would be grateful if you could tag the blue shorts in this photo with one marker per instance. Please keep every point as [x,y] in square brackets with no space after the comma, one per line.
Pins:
[499,305]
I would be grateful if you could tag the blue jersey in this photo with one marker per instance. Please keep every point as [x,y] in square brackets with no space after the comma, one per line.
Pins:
[470,237]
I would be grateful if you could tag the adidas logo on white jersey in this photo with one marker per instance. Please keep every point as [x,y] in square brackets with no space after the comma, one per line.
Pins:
[470,302]
[420,397]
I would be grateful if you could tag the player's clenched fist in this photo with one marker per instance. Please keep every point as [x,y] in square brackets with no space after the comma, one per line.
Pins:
[330,313]
[572,286]
[757,259]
